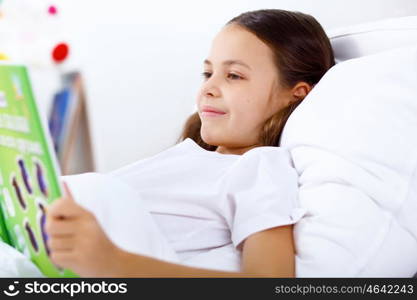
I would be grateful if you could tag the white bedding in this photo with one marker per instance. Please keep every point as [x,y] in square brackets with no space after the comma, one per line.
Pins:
[15,264]
[353,144]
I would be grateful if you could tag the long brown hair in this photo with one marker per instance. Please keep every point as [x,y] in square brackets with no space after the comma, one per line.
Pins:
[302,52]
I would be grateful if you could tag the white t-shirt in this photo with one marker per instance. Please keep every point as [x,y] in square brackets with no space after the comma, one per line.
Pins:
[206,203]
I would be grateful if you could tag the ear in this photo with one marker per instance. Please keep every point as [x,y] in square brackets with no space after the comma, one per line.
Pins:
[300,90]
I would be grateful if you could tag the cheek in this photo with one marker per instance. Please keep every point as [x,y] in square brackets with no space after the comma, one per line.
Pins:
[243,116]
[198,98]
[247,108]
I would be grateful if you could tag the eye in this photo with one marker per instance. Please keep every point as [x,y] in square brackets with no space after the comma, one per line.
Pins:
[234,76]
[206,75]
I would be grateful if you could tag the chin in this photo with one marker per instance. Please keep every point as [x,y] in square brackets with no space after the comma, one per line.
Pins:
[209,139]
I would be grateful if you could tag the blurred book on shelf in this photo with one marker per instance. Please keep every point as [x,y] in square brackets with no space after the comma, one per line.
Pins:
[69,126]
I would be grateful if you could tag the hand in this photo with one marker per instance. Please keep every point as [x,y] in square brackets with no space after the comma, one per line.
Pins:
[77,241]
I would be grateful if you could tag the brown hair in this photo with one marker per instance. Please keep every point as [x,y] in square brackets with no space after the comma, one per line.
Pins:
[302,52]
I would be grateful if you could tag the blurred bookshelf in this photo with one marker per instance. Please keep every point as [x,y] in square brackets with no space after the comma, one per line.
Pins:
[32,34]
[69,126]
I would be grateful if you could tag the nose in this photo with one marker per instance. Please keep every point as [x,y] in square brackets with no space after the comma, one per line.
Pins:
[210,88]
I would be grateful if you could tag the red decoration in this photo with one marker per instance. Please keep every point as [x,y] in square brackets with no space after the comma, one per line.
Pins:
[52,10]
[60,52]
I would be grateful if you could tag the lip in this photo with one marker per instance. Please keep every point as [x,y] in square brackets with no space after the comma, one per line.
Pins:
[211,111]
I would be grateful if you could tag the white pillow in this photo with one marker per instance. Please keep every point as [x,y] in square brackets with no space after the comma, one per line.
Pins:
[354,144]
[370,38]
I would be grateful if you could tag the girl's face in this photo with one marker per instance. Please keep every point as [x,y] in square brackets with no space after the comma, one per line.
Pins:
[242,82]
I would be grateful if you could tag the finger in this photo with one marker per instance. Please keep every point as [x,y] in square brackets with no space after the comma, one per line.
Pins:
[61,243]
[66,207]
[54,226]
[62,208]
[63,259]
[67,192]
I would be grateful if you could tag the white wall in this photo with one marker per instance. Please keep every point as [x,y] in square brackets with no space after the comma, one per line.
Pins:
[142,61]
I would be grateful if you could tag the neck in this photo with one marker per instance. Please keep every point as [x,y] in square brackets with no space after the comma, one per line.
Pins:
[235,150]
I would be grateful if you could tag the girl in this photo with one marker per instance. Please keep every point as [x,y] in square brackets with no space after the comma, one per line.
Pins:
[225,196]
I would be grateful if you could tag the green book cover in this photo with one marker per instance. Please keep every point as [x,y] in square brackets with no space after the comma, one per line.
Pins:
[29,174]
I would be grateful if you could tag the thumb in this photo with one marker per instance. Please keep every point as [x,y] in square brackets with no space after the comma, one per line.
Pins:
[65,207]
[67,193]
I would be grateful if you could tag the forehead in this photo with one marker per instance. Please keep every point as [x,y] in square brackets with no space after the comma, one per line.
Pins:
[234,42]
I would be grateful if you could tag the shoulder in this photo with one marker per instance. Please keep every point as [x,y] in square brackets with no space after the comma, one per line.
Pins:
[268,156]
[263,164]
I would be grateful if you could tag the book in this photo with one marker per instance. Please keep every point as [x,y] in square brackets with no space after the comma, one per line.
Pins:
[58,117]
[29,172]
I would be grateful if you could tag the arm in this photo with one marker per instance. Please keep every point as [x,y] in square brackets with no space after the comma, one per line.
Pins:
[269,253]
[77,242]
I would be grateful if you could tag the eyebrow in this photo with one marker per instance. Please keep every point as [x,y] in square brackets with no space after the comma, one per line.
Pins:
[229,63]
